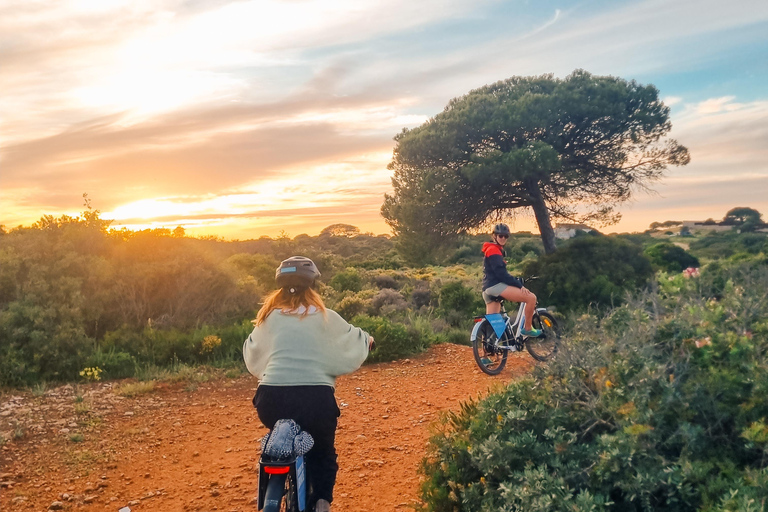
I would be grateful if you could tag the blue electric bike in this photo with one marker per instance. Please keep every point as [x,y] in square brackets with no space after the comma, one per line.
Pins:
[495,335]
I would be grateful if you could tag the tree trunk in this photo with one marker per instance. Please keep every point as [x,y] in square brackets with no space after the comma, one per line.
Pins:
[542,215]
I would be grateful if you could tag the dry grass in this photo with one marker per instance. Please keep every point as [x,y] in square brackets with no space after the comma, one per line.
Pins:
[133,389]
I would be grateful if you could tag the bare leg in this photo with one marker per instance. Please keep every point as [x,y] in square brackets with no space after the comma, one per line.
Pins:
[522,295]
[493,307]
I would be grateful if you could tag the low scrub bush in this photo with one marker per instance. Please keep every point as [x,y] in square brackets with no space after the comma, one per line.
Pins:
[591,271]
[387,302]
[660,405]
[393,340]
[115,364]
[348,280]
[459,303]
[670,257]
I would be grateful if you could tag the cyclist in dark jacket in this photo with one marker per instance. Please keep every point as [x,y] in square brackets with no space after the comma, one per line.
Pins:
[497,282]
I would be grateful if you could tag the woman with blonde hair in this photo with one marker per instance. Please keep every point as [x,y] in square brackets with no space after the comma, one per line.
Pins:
[297,349]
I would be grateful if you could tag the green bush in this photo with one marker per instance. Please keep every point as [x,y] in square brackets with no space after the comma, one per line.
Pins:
[116,364]
[670,257]
[348,280]
[590,271]
[660,405]
[393,340]
[458,303]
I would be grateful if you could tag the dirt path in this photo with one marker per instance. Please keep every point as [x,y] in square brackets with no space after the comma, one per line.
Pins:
[197,450]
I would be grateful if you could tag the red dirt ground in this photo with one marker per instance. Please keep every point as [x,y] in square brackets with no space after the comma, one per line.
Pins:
[178,449]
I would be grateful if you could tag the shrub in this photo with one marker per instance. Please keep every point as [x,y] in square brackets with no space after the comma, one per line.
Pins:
[458,302]
[348,280]
[421,295]
[116,364]
[351,306]
[386,281]
[590,270]
[388,301]
[670,257]
[393,340]
[661,405]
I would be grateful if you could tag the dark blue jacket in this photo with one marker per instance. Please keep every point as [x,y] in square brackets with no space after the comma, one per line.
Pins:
[495,268]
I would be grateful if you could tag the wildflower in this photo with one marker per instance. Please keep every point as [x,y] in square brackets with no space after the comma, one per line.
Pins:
[209,344]
[691,272]
[91,374]
[608,384]
[703,342]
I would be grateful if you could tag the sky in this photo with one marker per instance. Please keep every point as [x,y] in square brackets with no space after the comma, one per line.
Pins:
[249,118]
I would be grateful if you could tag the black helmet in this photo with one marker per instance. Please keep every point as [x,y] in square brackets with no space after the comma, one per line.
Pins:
[501,229]
[296,271]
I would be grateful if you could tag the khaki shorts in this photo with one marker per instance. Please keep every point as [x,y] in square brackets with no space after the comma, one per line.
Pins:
[494,291]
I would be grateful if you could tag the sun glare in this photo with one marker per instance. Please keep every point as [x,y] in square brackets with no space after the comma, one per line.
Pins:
[324,194]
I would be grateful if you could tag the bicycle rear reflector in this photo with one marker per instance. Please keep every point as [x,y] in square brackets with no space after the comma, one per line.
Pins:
[277,470]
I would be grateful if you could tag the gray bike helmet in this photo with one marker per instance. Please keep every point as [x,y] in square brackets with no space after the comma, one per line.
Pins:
[296,272]
[501,229]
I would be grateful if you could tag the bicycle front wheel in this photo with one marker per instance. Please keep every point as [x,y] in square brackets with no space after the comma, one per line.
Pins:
[488,355]
[545,346]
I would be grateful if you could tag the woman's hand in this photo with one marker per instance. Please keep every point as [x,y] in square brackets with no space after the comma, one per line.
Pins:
[371,343]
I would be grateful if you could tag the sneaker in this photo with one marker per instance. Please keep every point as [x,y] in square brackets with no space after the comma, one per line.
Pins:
[533,333]
[322,506]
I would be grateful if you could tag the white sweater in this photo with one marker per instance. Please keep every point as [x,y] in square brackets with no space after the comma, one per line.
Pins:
[287,350]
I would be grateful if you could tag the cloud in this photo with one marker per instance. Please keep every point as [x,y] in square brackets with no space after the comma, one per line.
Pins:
[729,165]
[154,57]
[184,100]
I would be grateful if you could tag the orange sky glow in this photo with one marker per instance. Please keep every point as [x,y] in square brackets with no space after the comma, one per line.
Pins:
[266,117]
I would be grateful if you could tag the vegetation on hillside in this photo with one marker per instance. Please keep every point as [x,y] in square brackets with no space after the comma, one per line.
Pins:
[75,294]
[661,404]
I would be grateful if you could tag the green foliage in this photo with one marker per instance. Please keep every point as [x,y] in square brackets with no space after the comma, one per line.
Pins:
[589,271]
[348,280]
[458,302]
[116,365]
[393,340]
[351,306]
[527,142]
[670,257]
[743,215]
[660,405]
[726,244]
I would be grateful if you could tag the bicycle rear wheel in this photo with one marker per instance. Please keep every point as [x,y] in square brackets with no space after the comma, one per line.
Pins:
[280,495]
[489,357]
[545,346]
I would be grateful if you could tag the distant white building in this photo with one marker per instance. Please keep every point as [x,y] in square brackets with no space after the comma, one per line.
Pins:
[565,231]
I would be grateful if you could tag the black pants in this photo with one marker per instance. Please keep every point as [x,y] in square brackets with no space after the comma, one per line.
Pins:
[314,409]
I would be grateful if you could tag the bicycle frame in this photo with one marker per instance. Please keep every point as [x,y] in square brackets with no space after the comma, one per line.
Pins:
[502,325]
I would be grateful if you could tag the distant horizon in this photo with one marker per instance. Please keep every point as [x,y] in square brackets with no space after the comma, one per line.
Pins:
[515,230]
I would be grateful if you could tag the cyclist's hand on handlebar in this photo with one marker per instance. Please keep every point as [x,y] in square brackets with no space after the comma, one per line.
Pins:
[371,343]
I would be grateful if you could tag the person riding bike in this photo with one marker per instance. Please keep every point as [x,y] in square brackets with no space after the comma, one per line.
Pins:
[297,349]
[497,282]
